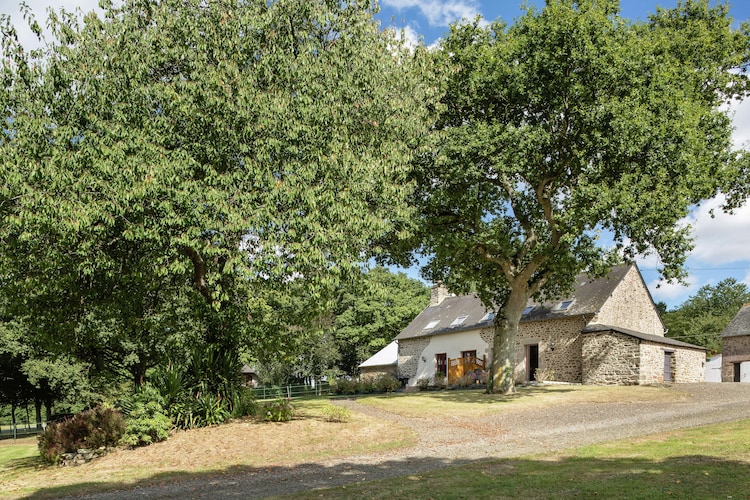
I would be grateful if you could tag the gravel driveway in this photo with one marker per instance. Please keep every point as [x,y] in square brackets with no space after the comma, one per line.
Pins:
[444,444]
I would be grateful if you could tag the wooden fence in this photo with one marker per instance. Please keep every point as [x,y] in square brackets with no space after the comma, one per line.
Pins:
[466,366]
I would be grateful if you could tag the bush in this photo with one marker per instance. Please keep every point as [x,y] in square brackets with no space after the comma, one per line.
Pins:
[91,429]
[440,381]
[344,386]
[245,403]
[464,381]
[387,383]
[332,413]
[423,384]
[366,385]
[280,410]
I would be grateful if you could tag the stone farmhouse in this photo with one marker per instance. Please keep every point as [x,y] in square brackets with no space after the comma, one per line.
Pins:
[608,331]
[735,351]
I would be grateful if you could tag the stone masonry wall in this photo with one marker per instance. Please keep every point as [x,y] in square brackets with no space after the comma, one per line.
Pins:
[409,351]
[610,358]
[559,343]
[652,363]
[734,350]
[631,307]
[687,364]
[690,365]
[378,371]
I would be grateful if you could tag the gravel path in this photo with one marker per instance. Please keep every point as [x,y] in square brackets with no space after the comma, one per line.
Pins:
[444,443]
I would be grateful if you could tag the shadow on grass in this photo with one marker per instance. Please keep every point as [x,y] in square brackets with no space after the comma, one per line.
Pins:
[690,476]
[471,394]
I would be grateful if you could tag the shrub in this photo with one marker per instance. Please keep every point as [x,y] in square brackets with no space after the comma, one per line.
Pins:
[332,413]
[366,385]
[245,403]
[280,410]
[387,383]
[464,381]
[344,386]
[423,384]
[91,429]
[440,381]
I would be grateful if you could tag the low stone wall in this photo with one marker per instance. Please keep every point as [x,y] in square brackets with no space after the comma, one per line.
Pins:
[81,457]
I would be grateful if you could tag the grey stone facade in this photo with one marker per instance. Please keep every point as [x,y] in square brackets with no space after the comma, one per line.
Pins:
[735,349]
[409,351]
[608,332]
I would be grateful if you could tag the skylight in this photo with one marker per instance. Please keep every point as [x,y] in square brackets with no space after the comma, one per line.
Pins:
[432,324]
[459,320]
[565,304]
[527,310]
[489,316]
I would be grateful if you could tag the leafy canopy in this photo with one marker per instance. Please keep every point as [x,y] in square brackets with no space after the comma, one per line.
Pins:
[571,122]
[172,164]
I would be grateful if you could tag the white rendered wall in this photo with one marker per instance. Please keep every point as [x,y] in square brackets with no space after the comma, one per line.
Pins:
[452,345]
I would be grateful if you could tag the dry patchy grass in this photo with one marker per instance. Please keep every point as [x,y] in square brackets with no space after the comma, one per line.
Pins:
[241,443]
[452,404]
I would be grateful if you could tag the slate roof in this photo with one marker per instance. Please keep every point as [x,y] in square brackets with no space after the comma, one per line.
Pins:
[387,356]
[595,328]
[588,297]
[740,324]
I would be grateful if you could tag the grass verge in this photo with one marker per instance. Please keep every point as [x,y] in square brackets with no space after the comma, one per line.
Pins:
[705,462]
[458,403]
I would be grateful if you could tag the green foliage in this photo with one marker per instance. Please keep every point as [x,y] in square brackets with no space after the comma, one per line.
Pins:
[371,311]
[245,404]
[146,420]
[570,122]
[176,175]
[344,385]
[701,319]
[338,414]
[92,429]
[280,410]
[387,383]
[423,383]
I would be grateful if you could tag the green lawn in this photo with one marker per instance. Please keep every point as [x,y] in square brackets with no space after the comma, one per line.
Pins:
[698,463]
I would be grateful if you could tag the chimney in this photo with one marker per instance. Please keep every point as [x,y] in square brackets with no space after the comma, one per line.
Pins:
[439,292]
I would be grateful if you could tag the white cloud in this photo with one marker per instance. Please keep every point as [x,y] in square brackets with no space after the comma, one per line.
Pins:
[409,35]
[661,291]
[39,8]
[439,12]
[740,112]
[723,238]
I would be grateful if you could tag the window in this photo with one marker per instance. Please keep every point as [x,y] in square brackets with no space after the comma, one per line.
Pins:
[489,316]
[469,354]
[565,304]
[527,310]
[459,320]
[441,364]
[432,324]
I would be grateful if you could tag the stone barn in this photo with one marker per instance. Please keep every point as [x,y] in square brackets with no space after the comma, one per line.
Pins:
[608,331]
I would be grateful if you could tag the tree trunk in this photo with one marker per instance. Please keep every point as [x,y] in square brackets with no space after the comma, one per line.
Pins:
[38,411]
[503,364]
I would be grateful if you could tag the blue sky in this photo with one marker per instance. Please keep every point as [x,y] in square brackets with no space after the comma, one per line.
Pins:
[722,243]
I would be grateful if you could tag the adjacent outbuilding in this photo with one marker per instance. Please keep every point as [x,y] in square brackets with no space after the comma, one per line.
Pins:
[735,353]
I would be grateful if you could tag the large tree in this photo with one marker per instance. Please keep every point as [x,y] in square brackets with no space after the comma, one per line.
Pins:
[217,148]
[701,319]
[569,123]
